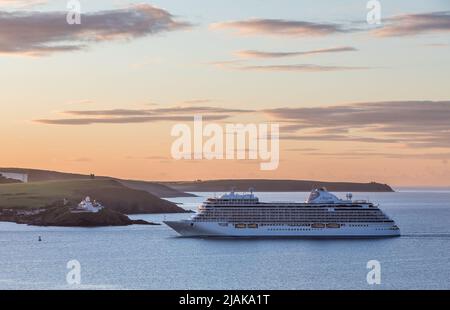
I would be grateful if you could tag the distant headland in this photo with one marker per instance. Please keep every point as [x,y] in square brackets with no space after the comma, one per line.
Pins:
[276,186]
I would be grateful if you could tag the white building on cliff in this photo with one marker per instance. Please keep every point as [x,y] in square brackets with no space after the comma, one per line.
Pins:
[22,177]
[88,206]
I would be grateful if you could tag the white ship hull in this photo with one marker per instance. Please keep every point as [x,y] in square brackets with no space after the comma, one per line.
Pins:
[189,228]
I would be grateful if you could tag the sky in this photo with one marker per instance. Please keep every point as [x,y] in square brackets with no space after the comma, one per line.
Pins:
[355,101]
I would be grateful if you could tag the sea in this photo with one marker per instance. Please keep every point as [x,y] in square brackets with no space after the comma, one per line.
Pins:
[154,257]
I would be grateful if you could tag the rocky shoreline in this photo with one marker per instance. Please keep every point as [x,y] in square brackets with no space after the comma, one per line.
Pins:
[65,217]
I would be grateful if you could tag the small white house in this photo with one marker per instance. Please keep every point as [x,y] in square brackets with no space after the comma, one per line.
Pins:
[88,206]
[22,177]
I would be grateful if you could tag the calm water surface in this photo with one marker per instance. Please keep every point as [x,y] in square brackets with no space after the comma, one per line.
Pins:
[153,257]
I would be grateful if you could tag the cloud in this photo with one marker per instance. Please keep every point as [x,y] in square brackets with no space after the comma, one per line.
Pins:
[21,3]
[364,154]
[112,112]
[299,68]
[241,64]
[393,115]
[200,109]
[238,65]
[262,54]
[414,124]
[337,137]
[130,116]
[125,120]
[418,124]
[39,33]
[293,128]
[156,111]
[281,27]
[415,24]
[396,26]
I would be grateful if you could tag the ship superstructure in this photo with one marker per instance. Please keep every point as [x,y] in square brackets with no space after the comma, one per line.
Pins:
[321,215]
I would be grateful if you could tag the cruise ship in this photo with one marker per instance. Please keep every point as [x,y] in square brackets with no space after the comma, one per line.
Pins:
[321,215]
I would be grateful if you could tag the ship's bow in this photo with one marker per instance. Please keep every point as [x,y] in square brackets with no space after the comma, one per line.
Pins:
[184,228]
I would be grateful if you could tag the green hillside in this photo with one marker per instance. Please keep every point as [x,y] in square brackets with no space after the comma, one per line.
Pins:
[110,193]
[154,188]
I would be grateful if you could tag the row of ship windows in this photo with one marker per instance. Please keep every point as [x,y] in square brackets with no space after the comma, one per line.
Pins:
[293,211]
[303,219]
[308,225]
[290,229]
[318,225]
[291,215]
[296,213]
[306,229]
[287,208]
[293,204]
[292,220]
[325,213]
[315,225]
[305,225]
[233,200]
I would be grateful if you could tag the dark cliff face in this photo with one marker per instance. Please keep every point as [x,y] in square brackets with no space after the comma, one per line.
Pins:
[157,189]
[277,186]
[64,217]
[4,180]
[127,201]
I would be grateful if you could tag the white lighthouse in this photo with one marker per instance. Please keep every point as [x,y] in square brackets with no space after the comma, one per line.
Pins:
[87,205]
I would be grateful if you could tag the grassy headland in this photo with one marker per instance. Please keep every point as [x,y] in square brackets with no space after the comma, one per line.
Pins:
[109,192]
[42,203]
[154,188]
